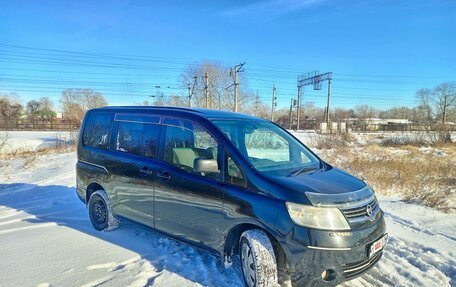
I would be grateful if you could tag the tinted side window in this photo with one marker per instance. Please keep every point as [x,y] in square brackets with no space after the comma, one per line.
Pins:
[97,130]
[187,143]
[138,138]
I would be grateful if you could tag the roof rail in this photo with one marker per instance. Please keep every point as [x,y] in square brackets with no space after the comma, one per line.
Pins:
[153,108]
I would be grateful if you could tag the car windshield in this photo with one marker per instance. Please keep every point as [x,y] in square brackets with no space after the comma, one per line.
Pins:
[268,147]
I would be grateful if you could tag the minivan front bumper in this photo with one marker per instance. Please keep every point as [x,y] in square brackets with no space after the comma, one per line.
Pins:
[344,255]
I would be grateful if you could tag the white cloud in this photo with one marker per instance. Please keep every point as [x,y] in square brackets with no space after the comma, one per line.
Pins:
[273,7]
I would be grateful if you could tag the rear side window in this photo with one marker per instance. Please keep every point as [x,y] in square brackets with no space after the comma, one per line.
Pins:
[138,138]
[97,130]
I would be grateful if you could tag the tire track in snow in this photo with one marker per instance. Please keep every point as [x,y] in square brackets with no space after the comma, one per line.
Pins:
[403,264]
[409,224]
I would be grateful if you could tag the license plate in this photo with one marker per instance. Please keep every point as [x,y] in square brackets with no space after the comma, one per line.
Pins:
[378,245]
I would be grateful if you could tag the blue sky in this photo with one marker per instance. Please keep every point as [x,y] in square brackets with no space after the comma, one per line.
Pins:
[380,51]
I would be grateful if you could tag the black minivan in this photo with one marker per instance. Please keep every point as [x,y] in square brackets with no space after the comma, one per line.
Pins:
[236,185]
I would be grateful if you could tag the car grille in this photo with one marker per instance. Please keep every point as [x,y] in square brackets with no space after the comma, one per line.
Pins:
[360,211]
[355,269]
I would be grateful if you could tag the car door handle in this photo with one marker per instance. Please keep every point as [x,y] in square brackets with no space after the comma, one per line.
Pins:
[164,175]
[145,171]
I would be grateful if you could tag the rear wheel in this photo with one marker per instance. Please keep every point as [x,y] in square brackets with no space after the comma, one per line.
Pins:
[258,262]
[100,212]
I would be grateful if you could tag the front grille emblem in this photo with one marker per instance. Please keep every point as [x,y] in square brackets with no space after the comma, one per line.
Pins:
[369,210]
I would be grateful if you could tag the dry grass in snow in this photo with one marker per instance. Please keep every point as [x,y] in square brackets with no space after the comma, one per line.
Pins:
[417,174]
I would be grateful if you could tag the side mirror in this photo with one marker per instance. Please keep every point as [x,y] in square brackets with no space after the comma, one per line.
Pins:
[205,165]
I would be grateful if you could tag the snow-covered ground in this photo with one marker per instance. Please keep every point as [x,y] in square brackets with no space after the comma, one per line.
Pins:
[33,140]
[46,239]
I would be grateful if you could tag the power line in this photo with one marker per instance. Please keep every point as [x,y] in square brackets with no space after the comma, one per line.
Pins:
[92,54]
[24,77]
[263,75]
[78,72]
[275,69]
[269,68]
[129,81]
[129,66]
[289,72]
[312,94]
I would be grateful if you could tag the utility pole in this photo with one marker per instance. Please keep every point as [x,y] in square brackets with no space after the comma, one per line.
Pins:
[189,95]
[257,104]
[298,115]
[324,115]
[237,69]
[235,91]
[274,101]
[327,105]
[293,102]
[206,89]
[191,91]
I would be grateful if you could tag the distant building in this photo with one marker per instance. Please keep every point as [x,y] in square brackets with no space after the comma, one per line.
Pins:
[375,124]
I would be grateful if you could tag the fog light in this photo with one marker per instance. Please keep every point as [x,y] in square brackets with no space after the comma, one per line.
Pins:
[328,275]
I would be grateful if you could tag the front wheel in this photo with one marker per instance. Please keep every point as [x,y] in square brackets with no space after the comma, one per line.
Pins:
[100,212]
[258,261]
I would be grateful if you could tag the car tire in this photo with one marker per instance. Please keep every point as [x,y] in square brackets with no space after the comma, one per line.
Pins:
[100,212]
[258,261]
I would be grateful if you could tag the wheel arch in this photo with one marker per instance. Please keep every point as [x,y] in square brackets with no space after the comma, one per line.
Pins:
[91,188]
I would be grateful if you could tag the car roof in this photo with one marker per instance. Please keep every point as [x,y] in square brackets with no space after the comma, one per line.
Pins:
[205,113]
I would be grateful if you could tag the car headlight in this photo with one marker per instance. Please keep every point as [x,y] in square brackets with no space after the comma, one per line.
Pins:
[317,217]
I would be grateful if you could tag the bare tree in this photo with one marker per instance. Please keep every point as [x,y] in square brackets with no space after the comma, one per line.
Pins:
[46,111]
[219,80]
[260,109]
[444,97]
[283,118]
[340,114]
[10,111]
[363,113]
[176,101]
[143,103]
[451,114]
[46,104]
[76,102]
[33,108]
[396,113]
[159,99]
[311,111]
[425,107]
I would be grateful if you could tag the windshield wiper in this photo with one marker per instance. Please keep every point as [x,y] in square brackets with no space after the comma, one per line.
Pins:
[301,170]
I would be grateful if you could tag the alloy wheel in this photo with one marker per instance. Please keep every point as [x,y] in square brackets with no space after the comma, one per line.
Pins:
[248,265]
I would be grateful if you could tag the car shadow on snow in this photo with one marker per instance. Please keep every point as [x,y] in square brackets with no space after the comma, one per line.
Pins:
[60,205]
